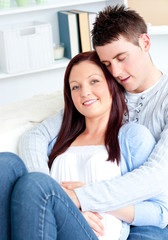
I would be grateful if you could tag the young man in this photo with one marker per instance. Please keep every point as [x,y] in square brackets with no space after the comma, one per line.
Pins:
[121,41]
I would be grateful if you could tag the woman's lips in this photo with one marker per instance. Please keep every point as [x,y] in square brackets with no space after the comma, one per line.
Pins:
[89,102]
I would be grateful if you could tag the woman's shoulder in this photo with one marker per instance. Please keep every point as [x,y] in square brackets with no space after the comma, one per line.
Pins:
[136,144]
[134,130]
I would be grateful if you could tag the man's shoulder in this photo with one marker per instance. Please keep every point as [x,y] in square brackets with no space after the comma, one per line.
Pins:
[164,80]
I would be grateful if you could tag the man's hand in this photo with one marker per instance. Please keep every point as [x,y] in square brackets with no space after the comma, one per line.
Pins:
[94,220]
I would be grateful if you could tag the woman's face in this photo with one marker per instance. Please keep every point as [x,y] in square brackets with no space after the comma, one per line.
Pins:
[89,90]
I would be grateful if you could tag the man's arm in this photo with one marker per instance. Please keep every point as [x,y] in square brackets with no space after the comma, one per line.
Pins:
[33,146]
[150,212]
[149,180]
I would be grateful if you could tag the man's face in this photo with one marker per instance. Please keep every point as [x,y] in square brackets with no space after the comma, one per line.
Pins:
[127,62]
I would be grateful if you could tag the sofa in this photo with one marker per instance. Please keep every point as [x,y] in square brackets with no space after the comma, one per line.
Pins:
[17,118]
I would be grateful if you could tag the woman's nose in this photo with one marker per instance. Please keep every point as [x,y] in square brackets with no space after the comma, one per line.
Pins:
[85,91]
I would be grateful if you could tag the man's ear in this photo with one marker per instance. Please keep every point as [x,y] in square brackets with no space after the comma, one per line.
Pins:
[144,42]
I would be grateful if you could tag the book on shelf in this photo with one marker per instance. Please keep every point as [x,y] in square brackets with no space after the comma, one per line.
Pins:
[68,30]
[84,30]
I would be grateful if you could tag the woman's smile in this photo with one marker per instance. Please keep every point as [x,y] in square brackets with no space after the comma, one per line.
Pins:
[89,102]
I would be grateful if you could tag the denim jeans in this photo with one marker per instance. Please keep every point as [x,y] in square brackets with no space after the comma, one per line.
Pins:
[148,233]
[11,169]
[40,209]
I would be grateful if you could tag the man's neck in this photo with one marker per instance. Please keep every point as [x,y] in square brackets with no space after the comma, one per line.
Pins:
[154,76]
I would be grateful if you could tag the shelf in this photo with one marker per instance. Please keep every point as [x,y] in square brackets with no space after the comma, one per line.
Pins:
[158,30]
[45,6]
[58,64]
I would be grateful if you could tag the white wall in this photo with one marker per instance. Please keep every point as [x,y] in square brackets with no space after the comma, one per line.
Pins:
[159,50]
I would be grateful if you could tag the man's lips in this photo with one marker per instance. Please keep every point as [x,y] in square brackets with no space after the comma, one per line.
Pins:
[123,80]
[89,102]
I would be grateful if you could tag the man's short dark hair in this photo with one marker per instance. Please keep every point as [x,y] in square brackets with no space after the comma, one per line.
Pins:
[115,21]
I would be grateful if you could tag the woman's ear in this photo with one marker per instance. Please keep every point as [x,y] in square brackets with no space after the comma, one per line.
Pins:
[144,42]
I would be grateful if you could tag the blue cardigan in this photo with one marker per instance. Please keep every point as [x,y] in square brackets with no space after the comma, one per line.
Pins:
[136,144]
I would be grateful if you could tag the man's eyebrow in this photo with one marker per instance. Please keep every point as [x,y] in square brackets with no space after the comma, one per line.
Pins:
[117,55]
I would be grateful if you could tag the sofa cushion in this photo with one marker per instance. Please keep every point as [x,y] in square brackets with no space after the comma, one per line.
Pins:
[17,118]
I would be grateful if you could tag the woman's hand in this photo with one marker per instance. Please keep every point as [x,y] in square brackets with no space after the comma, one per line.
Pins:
[94,220]
[72,185]
[72,196]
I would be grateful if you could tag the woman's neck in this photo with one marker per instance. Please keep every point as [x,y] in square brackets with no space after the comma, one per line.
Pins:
[94,133]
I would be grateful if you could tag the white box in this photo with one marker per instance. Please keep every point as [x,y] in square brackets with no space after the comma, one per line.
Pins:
[25,47]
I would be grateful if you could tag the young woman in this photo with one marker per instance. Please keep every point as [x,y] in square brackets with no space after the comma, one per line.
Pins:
[92,146]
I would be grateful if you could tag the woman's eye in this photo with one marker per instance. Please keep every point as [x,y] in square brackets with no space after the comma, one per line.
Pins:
[107,66]
[75,87]
[94,81]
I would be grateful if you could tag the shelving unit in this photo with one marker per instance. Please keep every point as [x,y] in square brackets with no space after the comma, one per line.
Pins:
[50,79]
[23,85]
[45,6]
[38,8]
[58,64]
[158,30]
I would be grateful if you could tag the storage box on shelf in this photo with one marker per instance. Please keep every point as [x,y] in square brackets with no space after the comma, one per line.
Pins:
[26,47]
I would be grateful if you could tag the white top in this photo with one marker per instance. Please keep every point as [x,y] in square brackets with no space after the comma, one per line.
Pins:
[88,164]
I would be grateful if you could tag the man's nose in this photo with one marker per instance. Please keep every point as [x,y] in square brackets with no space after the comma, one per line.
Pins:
[115,70]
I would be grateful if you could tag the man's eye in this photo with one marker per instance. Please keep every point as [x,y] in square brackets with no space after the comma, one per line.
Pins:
[121,59]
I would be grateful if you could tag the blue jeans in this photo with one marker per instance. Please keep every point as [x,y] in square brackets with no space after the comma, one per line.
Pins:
[11,169]
[40,209]
[148,233]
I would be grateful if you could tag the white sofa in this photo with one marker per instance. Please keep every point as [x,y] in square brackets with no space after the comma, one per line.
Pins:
[17,118]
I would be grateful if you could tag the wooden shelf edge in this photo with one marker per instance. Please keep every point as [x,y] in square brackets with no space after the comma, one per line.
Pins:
[158,30]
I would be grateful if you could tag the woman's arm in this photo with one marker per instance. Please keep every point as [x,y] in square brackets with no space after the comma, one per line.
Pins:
[150,179]
[125,214]
[152,212]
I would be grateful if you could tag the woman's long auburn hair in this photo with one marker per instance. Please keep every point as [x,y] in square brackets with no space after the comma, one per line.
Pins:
[73,123]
